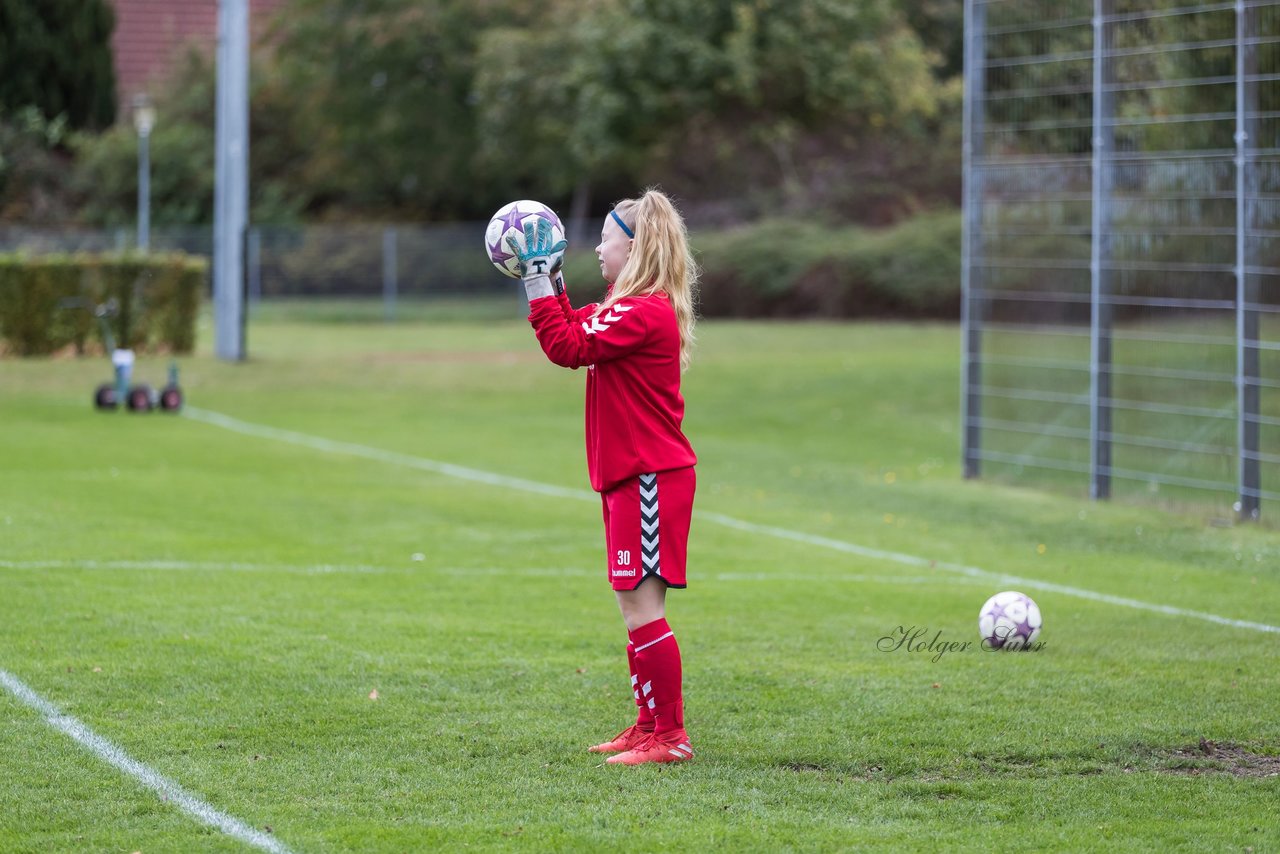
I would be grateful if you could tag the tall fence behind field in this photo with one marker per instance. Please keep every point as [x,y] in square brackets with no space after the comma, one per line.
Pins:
[373,262]
[1122,246]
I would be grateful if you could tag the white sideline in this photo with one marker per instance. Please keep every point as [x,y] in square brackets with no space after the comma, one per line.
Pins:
[166,788]
[460,572]
[986,575]
[186,566]
[350,449]
[479,476]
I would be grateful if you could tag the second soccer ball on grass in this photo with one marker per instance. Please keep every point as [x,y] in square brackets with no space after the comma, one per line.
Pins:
[1009,620]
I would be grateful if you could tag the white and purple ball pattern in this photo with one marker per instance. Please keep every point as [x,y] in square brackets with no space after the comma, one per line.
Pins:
[1009,620]
[509,221]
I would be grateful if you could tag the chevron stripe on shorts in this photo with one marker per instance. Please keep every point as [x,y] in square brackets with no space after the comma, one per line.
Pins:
[649,556]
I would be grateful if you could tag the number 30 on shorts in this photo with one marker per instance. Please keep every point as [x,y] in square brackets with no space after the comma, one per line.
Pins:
[624,557]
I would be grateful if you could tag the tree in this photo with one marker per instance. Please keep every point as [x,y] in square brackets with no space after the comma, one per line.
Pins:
[623,90]
[182,153]
[384,88]
[940,25]
[379,109]
[33,168]
[55,55]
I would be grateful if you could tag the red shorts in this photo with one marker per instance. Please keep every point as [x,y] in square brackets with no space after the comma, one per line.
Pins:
[646,528]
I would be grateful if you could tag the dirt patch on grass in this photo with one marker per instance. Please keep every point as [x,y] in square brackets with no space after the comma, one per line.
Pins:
[1209,757]
[806,766]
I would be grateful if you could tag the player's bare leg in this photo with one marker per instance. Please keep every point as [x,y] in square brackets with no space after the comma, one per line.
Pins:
[646,603]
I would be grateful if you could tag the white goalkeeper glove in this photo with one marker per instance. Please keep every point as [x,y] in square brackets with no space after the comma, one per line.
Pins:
[539,259]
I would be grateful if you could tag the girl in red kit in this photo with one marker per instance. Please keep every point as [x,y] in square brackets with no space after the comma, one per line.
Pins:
[634,345]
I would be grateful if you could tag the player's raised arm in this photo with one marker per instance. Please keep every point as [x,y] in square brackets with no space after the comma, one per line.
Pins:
[571,339]
[587,339]
[562,294]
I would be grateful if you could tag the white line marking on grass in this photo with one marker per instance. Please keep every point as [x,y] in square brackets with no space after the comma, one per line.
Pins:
[976,573]
[395,459]
[186,566]
[479,476]
[558,572]
[460,572]
[843,577]
[110,753]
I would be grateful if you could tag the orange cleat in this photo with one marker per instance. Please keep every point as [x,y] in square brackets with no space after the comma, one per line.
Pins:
[672,747]
[623,741]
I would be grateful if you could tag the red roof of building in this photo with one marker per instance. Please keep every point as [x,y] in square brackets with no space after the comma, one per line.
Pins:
[150,36]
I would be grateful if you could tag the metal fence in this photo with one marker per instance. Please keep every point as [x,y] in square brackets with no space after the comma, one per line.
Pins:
[1122,248]
[373,262]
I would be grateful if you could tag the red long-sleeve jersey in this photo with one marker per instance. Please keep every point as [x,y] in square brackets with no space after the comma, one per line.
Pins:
[632,356]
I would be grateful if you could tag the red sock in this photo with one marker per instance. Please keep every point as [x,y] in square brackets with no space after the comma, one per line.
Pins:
[644,717]
[657,657]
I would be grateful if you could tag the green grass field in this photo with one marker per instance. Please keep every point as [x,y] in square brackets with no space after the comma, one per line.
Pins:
[220,599]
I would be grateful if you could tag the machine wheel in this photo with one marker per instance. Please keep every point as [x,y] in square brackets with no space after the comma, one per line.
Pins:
[171,398]
[140,399]
[105,397]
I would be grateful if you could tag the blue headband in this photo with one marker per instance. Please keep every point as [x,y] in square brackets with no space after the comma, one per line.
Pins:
[617,218]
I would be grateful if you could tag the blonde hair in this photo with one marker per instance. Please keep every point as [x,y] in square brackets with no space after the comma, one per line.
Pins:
[660,260]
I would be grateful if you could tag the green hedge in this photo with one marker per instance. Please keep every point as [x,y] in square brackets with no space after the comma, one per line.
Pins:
[158,297]
[788,268]
[784,268]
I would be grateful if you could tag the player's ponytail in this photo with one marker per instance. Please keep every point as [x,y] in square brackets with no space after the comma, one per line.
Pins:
[660,260]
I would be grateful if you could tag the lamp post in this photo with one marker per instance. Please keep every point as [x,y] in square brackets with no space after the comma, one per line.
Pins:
[231,194]
[144,118]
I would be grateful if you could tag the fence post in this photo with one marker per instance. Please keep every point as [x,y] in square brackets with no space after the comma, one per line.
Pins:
[1247,362]
[1100,246]
[389,281]
[971,243]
